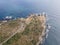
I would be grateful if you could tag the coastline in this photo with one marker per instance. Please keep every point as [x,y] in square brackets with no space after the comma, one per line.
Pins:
[42,37]
[41,18]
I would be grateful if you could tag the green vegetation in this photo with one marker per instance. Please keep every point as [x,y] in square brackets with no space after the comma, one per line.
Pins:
[30,35]
[0,38]
[33,42]
[7,28]
[26,32]
[13,39]
[13,23]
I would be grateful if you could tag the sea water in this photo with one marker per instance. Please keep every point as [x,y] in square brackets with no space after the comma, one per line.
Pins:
[22,8]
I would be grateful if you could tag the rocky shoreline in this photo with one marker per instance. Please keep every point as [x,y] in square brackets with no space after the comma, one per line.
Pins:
[43,35]
[34,21]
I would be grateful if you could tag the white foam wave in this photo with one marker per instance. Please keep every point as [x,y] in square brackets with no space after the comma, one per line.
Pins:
[8,17]
[49,26]
[47,33]
[47,30]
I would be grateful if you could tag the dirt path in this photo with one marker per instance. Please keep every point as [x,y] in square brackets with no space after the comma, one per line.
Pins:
[19,30]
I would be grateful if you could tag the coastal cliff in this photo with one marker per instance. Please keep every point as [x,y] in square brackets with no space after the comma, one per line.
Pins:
[23,31]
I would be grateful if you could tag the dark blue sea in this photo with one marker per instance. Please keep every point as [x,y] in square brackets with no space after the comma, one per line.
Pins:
[22,8]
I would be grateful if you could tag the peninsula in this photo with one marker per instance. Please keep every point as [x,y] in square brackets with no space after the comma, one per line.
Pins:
[23,31]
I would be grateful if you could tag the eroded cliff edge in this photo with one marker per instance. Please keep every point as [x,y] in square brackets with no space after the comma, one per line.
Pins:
[23,31]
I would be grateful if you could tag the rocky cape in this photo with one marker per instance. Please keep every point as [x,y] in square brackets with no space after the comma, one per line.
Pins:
[23,31]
